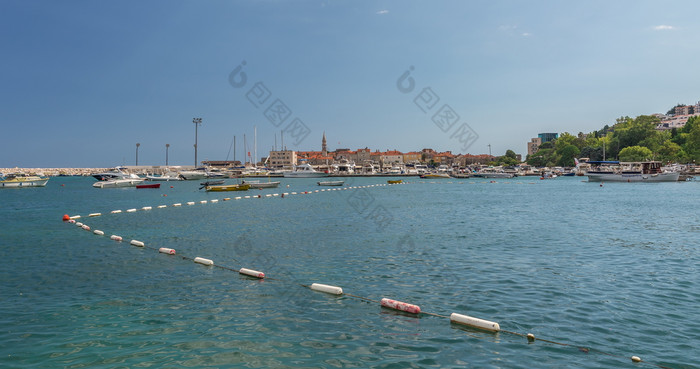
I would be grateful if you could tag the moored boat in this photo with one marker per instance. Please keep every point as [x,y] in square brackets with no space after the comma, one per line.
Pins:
[258,184]
[233,187]
[435,175]
[16,180]
[394,181]
[150,185]
[117,183]
[614,171]
[305,171]
[331,183]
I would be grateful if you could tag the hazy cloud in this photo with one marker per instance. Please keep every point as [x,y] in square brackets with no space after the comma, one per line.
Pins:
[382,12]
[663,27]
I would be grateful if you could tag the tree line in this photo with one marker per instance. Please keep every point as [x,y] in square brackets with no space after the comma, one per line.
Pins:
[627,140]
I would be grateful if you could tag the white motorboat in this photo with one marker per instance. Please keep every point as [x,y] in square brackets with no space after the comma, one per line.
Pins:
[167,176]
[115,173]
[197,173]
[16,180]
[493,173]
[258,184]
[305,171]
[116,183]
[613,171]
[331,183]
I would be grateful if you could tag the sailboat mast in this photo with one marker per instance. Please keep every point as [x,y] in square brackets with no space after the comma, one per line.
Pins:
[255,145]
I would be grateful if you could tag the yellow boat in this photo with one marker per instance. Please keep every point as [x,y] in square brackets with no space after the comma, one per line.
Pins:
[395,181]
[233,187]
[16,180]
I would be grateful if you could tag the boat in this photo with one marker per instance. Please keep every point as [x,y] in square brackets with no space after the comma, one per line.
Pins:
[115,173]
[615,171]
[435,175]
[258,184]
[198,173]
[16,180]
[394,181]
[212,183]
[150,185]
[167,176]
[115,183]
[331,183]
[493,173]
[305,171]
[232,187]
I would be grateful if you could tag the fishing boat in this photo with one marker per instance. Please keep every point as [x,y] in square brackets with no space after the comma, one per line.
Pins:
[258,184]
[615,171]
[232,187]
[150,185]
[394,181]
[331,183]
[117,183]
[16,180]
[305,171]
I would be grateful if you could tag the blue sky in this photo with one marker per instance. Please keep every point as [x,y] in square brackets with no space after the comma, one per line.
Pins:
[83,81]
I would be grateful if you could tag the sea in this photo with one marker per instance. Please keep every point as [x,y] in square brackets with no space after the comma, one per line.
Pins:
[597,273]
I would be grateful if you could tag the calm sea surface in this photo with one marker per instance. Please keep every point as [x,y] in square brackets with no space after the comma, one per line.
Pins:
[609,271]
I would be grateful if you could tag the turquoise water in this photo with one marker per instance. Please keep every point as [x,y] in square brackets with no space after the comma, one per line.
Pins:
[610,271]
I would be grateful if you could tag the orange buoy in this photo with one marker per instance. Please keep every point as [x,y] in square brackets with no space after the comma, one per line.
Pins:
[66,217]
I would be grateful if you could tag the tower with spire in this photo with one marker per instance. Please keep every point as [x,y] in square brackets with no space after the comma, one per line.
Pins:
[324,148]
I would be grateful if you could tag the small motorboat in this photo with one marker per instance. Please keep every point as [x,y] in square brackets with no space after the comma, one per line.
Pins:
[211,183]
[22,180]
[395,181]
[116,183]
[258,184]
[232,187]
[151,185]
[331,183]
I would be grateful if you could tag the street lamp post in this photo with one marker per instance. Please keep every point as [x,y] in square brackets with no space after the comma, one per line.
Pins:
[166,154]
[137,153]
[197,122]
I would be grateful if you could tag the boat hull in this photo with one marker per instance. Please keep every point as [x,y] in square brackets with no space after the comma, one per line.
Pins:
[118,183]
[152,185]
[262,184]
[633,177]
[41,182]
[226,188]
[331,183]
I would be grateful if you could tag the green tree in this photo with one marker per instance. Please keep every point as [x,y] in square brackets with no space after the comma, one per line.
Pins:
[567,155]
[511,154]
[635,153]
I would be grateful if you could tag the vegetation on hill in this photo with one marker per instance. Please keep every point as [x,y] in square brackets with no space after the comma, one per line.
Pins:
[627,140]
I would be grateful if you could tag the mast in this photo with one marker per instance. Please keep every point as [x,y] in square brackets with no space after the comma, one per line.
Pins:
[245,148]
[255,146]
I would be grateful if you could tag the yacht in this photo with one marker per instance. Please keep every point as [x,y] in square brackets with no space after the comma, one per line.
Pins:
[16,180]
[167,176]
[115,173]
[614,171]
[304,171]
[491,172]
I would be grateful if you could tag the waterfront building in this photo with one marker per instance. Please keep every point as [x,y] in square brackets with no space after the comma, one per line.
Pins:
[283,159]
[412,157]
[546,137]
[533,145]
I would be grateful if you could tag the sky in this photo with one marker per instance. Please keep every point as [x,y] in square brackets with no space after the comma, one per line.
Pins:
[82,82]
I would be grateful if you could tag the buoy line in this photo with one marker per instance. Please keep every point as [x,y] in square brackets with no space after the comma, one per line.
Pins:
[465,320]
[214,201]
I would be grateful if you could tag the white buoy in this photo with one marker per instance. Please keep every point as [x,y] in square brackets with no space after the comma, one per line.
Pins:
[75,217]
[131,211]
[94,214]
[203,202]
[268,195]
[203,261]
[165,250]
[227,198]
[177,204]
[162,206]
[136,243]
[116,211]
[294,193]
[636,359]
[214,201]
[333,290]
[398,305]
[530,337]
[237,198]
[247,197]
[252,273]
[147,208]
[86,227]
[116,238]
[98,232]
[190,203]
[475,322]
[78,224]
